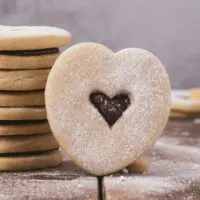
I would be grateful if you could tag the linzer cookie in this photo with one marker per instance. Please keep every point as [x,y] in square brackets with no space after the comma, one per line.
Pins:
[22,98]
[106,109]
[20,80]
[26,61]
[27,143]
[30,47]
[30,161]
[26,56]
[182,102]
[26,127]
[32,37]
[185,104]
[23,113]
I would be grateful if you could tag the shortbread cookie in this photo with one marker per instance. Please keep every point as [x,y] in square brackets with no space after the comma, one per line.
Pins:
[32,37]
[105,108]
[140,166]
[23,79]
[20,162]
[22,113]
[22,98]
[27,143]
[181,102]
[24,127]
[27,62]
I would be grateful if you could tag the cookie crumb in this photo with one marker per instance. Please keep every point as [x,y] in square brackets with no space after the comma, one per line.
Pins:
[122,178]
[196,121]
[124,171]
[79,186]
[185,133]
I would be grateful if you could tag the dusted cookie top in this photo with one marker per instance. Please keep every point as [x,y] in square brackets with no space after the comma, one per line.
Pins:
[32,37]
[105,108]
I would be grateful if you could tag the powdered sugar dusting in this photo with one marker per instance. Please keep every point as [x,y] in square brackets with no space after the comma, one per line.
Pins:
[174,169]
[196,121]
[79,127]
[32,37]
[22,31]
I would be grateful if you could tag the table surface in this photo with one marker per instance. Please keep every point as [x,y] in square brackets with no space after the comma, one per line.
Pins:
[174,174]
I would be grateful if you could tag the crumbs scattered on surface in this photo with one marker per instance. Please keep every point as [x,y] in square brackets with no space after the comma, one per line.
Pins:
[174,168]
[185,133]
[124,171]
[122,178]
[196,121]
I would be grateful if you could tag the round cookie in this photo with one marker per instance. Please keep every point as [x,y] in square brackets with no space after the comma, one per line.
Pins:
[21,98]
[23,79]
[24,127]
[181,102]
[27,62]
[23,113]
[27,143]
[32,37]
[104,108]
[20,162]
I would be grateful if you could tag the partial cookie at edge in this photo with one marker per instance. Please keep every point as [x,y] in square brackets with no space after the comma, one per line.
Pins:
[182,103]
[176,114]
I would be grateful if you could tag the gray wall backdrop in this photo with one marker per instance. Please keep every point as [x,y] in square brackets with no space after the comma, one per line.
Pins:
[168,28]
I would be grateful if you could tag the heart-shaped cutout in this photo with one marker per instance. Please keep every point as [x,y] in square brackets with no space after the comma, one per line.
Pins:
[110,108]
[76,123]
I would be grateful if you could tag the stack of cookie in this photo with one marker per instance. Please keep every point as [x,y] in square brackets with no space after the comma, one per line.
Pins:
[185,104]
[26,56]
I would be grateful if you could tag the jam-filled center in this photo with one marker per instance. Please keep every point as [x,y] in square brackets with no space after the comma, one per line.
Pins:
[110,108]
[36,52]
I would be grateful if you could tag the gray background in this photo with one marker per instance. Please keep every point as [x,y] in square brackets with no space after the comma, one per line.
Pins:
[168,28]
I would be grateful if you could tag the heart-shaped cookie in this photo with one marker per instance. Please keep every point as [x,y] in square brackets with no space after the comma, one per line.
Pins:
[105,108]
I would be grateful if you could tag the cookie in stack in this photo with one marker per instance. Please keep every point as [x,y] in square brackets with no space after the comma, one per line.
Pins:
[185,104]
[26,57]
